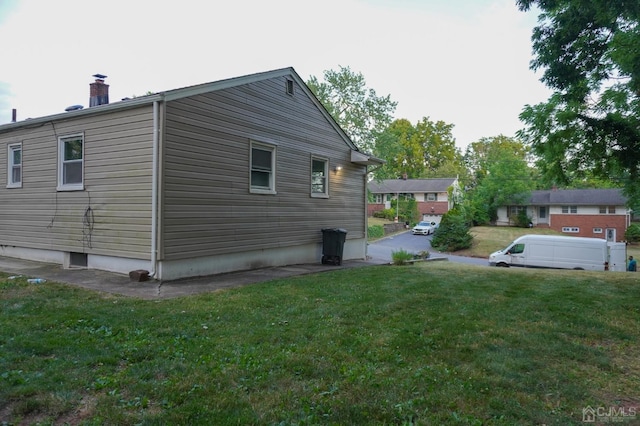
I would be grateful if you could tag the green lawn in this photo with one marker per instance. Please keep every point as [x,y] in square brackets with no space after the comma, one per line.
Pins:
[432,343]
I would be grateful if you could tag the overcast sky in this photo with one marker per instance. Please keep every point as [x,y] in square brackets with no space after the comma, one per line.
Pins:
[465,62]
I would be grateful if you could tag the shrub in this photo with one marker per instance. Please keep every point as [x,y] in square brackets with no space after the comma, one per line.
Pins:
[401,257]
[388,214]
[632,234]
[522,220]
[452,233]
[375,231]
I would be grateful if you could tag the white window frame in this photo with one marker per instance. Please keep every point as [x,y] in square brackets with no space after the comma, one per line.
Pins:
[571,229]
[569,209]
[271,187]
[11,166]
[325,178]
[431,196]
[75,186]
[597,230]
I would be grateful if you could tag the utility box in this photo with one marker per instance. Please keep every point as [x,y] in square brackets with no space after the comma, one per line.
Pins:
[333,245]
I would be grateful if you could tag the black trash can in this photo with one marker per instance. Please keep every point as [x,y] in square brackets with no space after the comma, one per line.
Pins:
[333,245]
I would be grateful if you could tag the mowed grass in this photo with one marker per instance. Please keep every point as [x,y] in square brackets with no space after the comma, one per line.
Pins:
[433,343]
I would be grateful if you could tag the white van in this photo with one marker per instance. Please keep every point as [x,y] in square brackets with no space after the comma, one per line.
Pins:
[551,251]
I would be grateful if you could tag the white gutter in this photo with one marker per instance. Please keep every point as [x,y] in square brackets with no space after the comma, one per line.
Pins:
[154,190]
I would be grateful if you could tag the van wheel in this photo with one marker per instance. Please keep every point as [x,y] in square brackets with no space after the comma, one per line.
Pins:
[578,269]
[502,265]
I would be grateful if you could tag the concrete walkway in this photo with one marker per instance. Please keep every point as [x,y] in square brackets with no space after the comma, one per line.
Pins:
[121,284]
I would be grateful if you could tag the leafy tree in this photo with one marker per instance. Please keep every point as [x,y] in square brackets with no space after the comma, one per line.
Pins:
[425,150]
[408,209]
[590,126]
[632,234]
[501,176]
[453,233]
[361,113]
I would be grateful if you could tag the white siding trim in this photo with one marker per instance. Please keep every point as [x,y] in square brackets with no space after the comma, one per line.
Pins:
[61,185]
[271,189]
[10,165]
[325,193]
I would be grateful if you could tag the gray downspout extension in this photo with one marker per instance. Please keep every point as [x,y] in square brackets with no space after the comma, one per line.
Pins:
[154,190]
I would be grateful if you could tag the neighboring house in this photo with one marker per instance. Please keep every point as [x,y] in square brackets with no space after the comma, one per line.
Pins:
[236,174]
[596,213]
[431,195]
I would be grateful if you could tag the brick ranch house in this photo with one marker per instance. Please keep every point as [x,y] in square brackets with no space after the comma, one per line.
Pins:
[595,213]
[431,195]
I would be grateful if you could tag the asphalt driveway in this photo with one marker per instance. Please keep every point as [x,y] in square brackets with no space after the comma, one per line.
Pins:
[381,250]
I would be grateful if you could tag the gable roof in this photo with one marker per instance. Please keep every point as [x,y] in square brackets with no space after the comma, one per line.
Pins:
[184,92]
[392,186]
[582,197]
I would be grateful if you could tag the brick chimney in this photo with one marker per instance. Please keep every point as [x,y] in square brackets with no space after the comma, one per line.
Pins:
[98,91]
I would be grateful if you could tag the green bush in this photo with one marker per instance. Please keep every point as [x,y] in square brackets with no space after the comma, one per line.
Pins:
[388,214]
[408,209]
[375,231]
[632,233]
[401,257]
[452,233]
[522,220]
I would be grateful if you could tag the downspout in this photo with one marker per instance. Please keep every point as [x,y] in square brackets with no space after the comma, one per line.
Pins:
[366,213]
[154,189]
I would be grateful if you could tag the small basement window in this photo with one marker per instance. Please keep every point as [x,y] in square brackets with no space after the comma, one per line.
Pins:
[77,260]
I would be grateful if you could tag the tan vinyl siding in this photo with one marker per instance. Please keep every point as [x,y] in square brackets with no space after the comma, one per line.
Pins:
[117,182]
[208,209]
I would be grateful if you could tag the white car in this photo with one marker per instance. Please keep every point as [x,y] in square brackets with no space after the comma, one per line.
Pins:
[424,228]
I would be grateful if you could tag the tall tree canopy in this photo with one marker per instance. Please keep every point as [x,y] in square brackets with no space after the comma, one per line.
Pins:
[501,176]
[590,126]
[357,109]
[426,150]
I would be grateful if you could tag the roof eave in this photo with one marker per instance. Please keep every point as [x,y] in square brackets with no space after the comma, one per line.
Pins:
[121,105]
[358,157]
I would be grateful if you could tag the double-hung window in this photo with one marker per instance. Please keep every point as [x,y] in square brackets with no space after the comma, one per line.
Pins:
[14,166]
[71,163]
[263,168]
[319,177]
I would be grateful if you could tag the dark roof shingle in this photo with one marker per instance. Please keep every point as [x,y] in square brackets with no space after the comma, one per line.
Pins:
[392,186]
[582,197]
